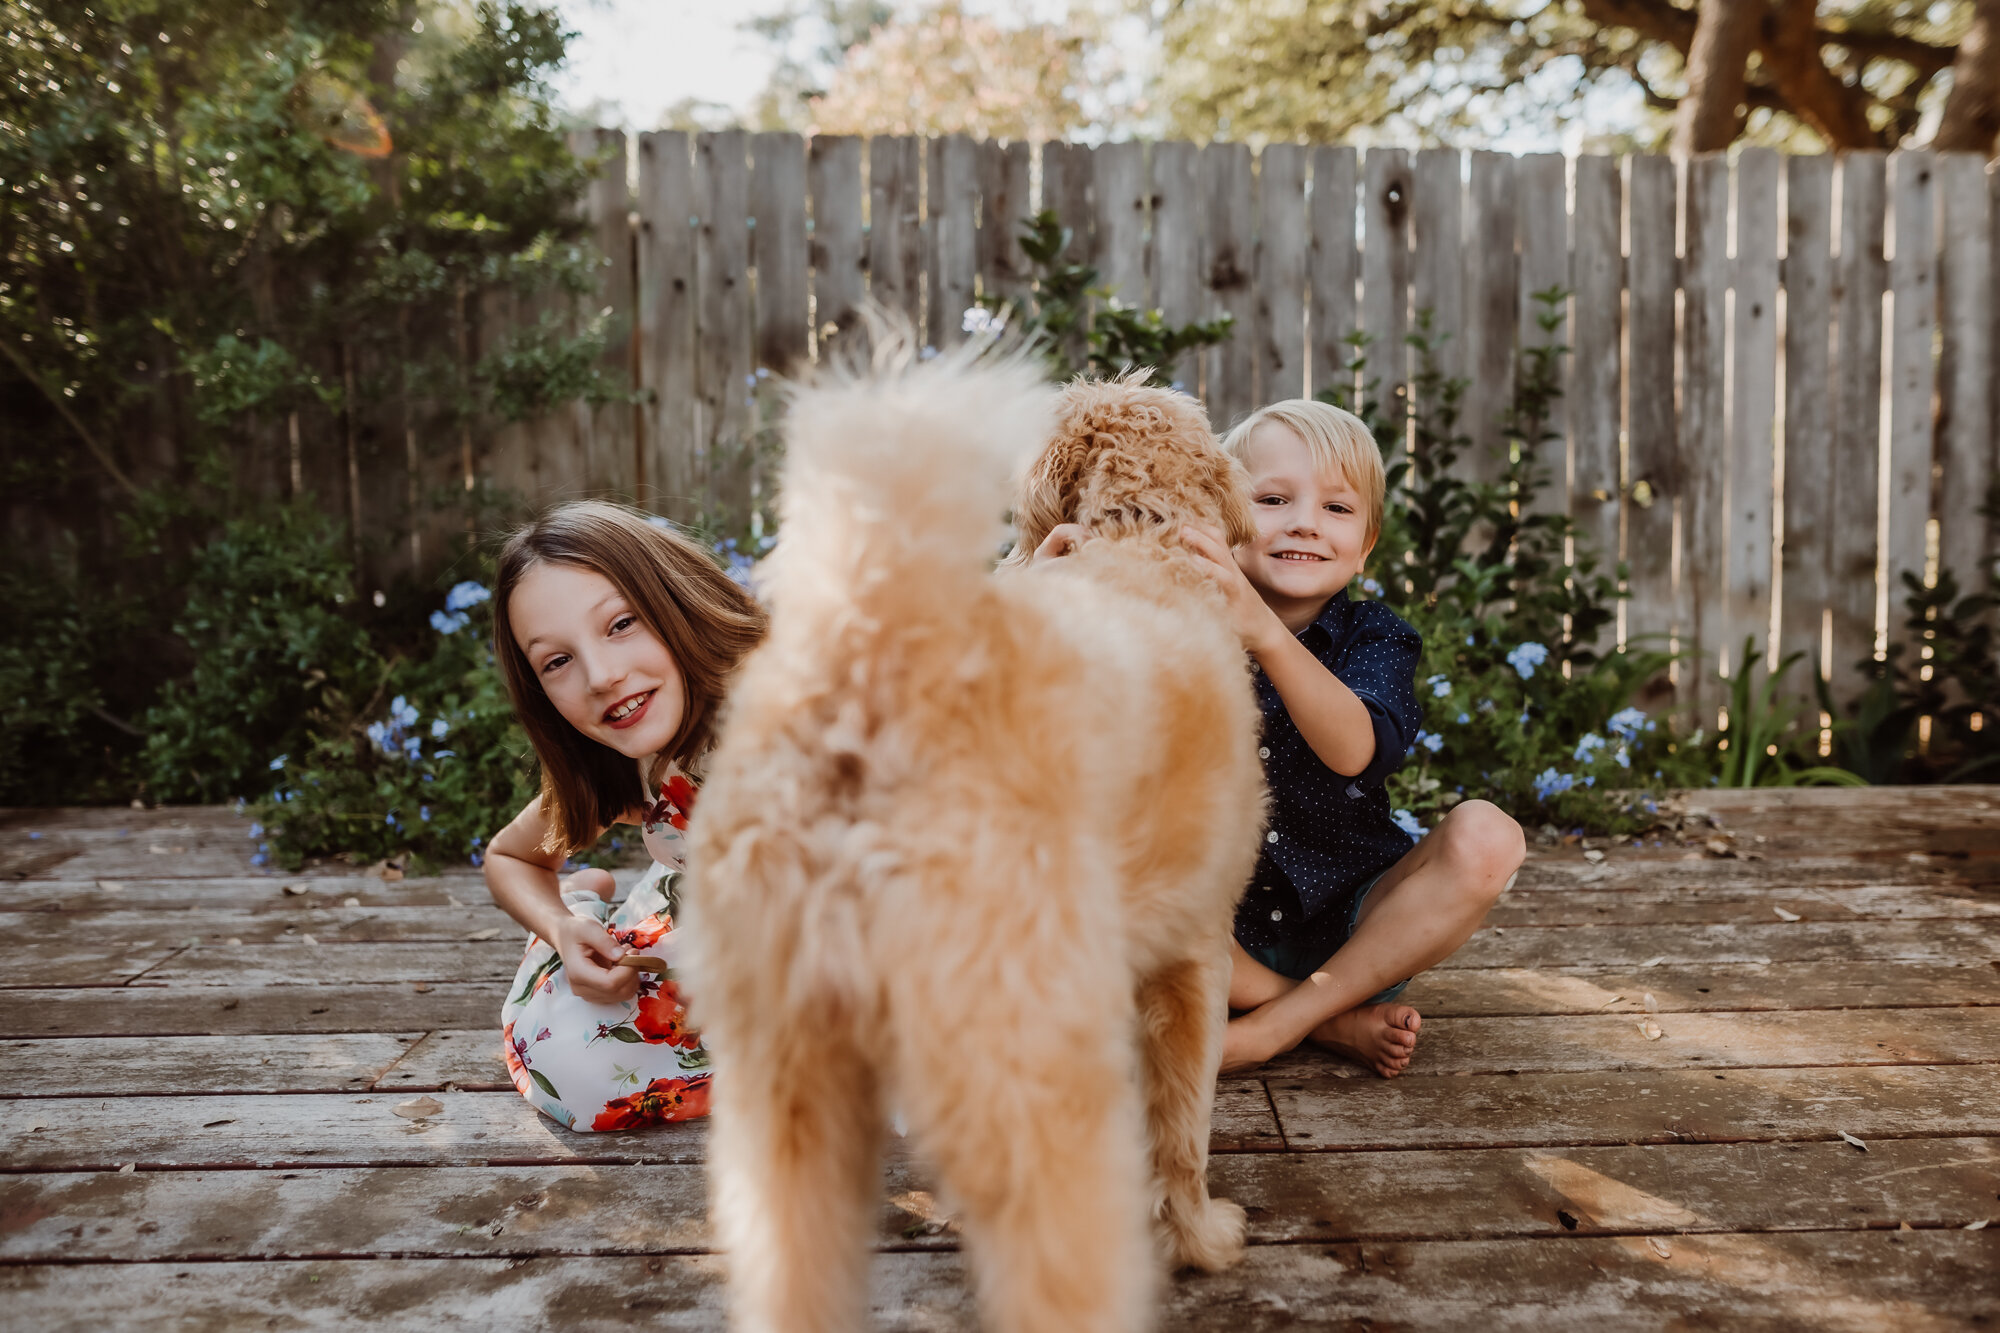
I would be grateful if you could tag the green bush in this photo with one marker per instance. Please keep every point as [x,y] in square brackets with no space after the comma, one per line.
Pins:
[1524,705]
[270,618]
[431,765]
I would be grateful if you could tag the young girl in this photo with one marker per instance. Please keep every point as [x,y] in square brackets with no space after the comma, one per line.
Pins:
[616,639]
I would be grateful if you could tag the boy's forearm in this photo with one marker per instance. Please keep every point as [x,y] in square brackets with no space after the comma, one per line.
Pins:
[1331,717]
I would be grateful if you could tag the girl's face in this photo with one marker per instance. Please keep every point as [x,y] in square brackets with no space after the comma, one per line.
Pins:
[607,674]
[1312,528]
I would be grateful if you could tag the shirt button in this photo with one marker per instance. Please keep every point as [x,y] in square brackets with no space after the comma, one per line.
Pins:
[1256,670]
[1271,837]
[1276,915]
[1263,752]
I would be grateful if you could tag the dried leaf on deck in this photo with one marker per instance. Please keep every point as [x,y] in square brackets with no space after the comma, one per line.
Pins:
[1593,856]
[417,1108]
[297,890]
[1980,1225]
[1654,961]
[1659,1247]
[350,902]
[1783,915]
[1651,1031]
[1851,1141]
[307,939]
[491,933]
[1652,1005]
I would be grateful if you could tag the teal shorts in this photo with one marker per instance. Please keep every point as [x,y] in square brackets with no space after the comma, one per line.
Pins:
[1300,961]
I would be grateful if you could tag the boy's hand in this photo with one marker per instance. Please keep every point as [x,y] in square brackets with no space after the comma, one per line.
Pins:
[1255,623]
[590,958]
[1063,539]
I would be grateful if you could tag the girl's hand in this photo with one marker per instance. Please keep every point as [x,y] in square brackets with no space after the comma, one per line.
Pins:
[1256,624]
[1063,539]
[590,958]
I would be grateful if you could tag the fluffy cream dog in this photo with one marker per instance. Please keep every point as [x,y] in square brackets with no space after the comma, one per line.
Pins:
[970,847]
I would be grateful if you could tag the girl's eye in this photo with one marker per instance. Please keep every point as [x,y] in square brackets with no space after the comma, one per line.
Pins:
[620,625]
[552,664]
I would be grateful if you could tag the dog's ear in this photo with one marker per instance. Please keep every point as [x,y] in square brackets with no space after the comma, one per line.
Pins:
[1048,492]
[1232,491]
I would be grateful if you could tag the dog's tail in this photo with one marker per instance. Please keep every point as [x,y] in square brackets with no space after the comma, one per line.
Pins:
[897,479]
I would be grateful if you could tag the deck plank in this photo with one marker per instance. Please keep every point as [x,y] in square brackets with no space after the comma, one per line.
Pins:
[471,1059]
[1678,943]
[1836,984]
[1842,1280]
[1328,1111]
[142,1010]
[336,925]
[457,1212]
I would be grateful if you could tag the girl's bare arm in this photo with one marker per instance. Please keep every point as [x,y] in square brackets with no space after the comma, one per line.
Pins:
[522,875]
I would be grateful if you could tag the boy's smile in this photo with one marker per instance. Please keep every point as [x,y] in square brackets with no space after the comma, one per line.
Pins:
[1312,529]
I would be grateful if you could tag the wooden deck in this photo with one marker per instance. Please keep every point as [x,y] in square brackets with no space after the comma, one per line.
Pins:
[1663,1090]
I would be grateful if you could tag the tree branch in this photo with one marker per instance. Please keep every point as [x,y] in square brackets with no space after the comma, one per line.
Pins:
[1717,72]
[1972,112]
[89,440]
[1657,19]
[1790,43]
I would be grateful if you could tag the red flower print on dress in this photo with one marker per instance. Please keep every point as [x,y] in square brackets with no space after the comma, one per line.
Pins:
[642,934]
[664,1099]
[676,803]
[663,1018]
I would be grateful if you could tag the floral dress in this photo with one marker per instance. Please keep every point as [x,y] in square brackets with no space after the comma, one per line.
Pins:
[614,1066]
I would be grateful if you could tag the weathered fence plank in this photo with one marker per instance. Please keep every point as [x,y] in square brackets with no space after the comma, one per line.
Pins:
[1704,287]
[1123,190]
[1657,484]
[1965,396]
[951,223]
[1860,277]
[1912,373]
[609,458]
[1437,261]
[839,240]
[1492,310]
[1543,199]
[1003,208]
[1385,277]
[667,340]
[1597,277]
[1281,273]
[1177,247]
[1067,177]
[1228,265]
[778,250]
[1746,611]
[1806,581]
[722,187]
[1335,264]
[895,226]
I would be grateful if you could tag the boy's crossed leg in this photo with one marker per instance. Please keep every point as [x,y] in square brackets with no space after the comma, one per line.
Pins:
[1415,917]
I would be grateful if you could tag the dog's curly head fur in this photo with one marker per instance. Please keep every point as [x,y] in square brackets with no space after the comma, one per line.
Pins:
[1130,458]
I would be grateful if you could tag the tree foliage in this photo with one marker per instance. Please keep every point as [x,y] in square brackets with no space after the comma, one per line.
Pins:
[1844,73]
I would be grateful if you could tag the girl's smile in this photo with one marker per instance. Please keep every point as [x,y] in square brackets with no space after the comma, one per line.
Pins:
[602,667]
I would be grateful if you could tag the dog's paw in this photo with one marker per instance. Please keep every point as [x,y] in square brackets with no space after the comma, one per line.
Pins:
[1211,1240]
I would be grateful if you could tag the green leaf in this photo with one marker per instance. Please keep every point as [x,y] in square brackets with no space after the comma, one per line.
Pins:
[542,1082]
[626,1034]
[535,978]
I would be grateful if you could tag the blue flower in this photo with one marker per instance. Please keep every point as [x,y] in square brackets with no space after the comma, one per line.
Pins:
[1371,587]
[1408,823]
[256,831]
[378,736]
[438,728]
[449,624]
[1464,718]
[413,748]
[663,524]
[401,713]
[391,820]
[1440,686]
[476,840]
[1430,741]
[444,754]
[260,859]
[1468,640]
[464,596]
[1587,748]
[1526,657]
[1623,757]
[424,813]
[1627,723]
[982,323]
[278,764]
[1551,783]
[477,859]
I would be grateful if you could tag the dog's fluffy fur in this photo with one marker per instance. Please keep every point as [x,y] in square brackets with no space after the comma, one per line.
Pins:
[970,847]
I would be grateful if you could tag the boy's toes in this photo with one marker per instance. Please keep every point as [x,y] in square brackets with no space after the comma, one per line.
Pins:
[1406,1019]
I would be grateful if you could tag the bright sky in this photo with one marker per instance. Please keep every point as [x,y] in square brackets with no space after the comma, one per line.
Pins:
[632,59]
[635,58]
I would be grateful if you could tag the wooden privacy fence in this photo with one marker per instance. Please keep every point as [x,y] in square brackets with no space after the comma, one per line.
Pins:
[1777,404]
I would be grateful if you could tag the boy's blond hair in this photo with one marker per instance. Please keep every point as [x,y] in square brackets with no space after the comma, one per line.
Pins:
[1338,441]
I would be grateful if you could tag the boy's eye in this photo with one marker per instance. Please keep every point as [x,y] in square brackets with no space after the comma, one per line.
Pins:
[1270,499]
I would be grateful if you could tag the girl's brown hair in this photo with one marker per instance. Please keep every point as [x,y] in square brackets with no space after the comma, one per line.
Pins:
[707,622]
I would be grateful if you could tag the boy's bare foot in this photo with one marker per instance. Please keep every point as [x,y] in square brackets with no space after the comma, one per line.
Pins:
[1380,1036]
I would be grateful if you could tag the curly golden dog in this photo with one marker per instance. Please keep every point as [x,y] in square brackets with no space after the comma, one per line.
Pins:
[970,848]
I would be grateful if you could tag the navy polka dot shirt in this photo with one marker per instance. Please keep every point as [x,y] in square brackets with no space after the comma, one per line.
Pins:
[1330,835]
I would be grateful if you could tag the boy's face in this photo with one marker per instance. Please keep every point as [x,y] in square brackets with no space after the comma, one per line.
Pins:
[1312,529]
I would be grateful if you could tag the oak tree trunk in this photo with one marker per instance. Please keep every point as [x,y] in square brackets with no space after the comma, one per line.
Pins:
[1717,69]
[1972,112]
